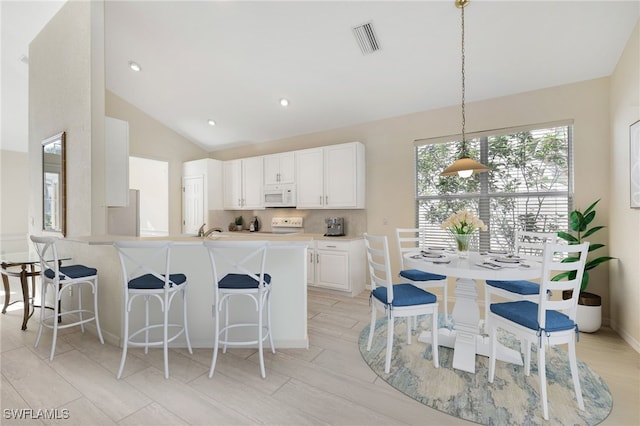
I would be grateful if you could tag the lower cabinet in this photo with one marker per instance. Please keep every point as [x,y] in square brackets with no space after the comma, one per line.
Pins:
[337,265]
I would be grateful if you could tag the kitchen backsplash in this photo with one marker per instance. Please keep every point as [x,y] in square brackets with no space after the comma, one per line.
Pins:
[314,220]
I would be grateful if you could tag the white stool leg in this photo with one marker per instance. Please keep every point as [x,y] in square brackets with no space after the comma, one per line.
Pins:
[260,331]
[80,306]
[273,348]
[43,298]
[125,341]
[55,322]
[95,309]
[186,323]
[165,333]
[216,338]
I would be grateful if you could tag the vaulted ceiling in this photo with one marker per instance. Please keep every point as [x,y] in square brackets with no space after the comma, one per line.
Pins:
[232,61]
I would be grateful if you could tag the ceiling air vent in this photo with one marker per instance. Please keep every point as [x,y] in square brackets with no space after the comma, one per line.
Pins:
[366,38]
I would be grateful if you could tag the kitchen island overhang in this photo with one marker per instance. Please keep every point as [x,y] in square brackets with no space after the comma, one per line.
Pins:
[286,263]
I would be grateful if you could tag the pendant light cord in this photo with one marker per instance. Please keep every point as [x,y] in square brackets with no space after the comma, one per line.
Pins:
[464,139]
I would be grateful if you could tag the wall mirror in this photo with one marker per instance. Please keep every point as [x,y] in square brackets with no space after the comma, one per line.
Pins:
[54,184]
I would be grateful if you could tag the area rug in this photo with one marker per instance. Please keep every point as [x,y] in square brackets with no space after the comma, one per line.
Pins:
[512,399]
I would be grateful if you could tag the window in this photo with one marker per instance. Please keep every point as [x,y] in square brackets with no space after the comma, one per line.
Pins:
[529,186]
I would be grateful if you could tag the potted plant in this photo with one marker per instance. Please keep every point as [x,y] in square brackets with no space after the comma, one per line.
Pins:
[589,315]
[239,223]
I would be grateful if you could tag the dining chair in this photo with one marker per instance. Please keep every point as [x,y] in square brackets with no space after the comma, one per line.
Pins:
[528,245]
[61,280]
[146,273]
[403,300]
[549,322]
[409,240]
[238,269]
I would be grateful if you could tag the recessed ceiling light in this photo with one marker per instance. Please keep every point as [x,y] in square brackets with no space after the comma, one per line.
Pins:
[284,102]
[134,66]
[211,122]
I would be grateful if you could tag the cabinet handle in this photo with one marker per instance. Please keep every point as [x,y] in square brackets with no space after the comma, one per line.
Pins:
[326,199]
[332,246]
[317,258]
[321,199]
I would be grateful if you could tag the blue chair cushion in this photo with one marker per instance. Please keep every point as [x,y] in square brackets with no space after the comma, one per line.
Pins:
[517,286]
[151,282]
[241,281]
[416,275]
[405,295]
[525,313]
[72,271]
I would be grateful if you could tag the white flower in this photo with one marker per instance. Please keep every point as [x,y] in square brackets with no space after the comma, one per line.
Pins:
[463,222]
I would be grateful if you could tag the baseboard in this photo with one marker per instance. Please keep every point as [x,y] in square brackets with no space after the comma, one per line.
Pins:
[626,336]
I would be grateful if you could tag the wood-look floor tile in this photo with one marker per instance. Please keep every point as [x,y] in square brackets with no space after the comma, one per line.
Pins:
[152,415]
[81,412]
[116,398]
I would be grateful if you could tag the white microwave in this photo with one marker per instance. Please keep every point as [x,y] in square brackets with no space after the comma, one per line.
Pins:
[279,195]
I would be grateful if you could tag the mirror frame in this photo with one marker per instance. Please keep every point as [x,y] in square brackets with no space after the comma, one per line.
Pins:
[62,209]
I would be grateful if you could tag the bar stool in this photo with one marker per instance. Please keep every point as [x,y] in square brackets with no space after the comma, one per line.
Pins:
[62,279]
[146,272]
[239,270]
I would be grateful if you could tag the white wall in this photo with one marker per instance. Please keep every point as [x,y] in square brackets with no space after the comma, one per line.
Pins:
[624,223]
[14,199]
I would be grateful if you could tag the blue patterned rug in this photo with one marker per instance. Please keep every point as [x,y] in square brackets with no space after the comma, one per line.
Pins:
[512,399]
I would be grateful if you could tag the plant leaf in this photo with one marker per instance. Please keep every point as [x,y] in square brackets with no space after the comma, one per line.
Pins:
[595,262]
[587,219]
[567,237]
[588,210]
[585,281]
[596,246]
[575,221]
[592,231]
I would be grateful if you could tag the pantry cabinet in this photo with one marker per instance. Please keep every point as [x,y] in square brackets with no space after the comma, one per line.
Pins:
[331,177]
[242,181]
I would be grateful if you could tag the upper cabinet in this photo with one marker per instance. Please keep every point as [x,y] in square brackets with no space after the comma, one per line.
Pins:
[279,168]
[116,135]
[242,180]
[331,177]
[201,192]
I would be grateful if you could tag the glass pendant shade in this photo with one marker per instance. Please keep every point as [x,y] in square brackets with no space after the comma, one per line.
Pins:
[464,167]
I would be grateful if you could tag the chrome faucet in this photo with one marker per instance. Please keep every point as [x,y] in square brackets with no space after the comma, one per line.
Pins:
[203,234]
[211,231]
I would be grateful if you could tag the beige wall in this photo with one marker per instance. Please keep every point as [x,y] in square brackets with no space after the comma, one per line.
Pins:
[151,139]
[66,93]
[14,199]
[390,152]
[624,223]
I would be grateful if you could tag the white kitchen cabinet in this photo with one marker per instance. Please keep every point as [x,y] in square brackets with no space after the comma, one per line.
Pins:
[116,135]
[279,168]
[331,177]
[242,180]
[337,265]
[201,192]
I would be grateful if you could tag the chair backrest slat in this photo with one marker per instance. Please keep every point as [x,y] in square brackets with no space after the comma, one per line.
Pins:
[139,258]
[530,245]
[409,240]
[244,257]
[553,264]
[48,254]
[377,248]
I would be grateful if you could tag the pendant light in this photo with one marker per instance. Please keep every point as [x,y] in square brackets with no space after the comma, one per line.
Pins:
[463,166]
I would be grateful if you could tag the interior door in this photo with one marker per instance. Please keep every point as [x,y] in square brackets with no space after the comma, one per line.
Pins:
[192,204]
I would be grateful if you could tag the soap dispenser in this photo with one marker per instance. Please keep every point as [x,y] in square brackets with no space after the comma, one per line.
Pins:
[254,226]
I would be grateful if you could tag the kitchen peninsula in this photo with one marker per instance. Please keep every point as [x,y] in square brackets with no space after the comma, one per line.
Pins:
[286,263]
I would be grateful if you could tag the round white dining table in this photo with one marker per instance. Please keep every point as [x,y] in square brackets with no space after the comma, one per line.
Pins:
[465,337]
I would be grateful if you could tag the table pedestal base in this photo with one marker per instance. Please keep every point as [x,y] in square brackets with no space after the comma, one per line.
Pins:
[465,338]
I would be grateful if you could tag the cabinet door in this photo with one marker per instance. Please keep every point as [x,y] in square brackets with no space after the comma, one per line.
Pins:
[332,269]
[287,168]
[271,169]
[192,204]
[309,178]
[252,183]
[340,176]
[232,181]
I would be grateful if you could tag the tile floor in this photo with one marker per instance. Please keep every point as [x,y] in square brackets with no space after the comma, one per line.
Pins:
[326,384]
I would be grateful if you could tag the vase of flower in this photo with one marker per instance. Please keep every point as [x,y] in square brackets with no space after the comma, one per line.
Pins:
[462,226]
[462,244]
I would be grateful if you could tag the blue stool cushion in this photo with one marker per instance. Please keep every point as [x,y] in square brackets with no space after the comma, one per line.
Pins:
[416,275]
[405,295]
[241,281]
[525,313]
[72,271]
[151,282]
[517,286]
